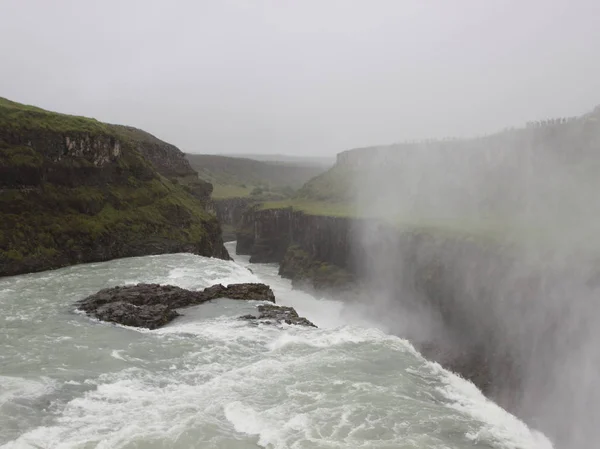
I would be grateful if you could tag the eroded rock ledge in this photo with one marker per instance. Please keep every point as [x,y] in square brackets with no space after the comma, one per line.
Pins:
[152,305]
[270,314]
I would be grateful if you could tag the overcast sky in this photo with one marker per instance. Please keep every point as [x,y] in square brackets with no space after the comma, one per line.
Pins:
[303,76]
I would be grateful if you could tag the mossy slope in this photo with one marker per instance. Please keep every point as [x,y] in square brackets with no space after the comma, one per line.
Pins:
[73,189]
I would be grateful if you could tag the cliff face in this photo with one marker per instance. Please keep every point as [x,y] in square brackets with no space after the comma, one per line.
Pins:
[76,190]
[313,251]
[168,160]
[485,308]
[229,212]
[410,280]
[485,257]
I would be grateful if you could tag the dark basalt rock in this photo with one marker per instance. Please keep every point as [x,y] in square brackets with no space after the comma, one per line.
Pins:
[249,291]
[272,314]
[153,305]
[149,316]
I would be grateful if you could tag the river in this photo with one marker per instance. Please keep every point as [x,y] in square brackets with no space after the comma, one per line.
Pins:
[209,380]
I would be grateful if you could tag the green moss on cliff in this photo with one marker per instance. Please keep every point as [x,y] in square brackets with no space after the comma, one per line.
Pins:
[312,207]
[100,201]
[56,226]
[18,156]
[303,270]
[334,186]
[19,117]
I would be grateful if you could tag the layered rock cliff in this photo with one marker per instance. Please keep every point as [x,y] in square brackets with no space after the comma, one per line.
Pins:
[74,190]
[229,212]
[413,281]
[484,255]
[314,251]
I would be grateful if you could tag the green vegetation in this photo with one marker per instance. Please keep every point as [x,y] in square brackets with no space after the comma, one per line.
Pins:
[239,177]
[312,207]
[335,185]
[20,156]
[299,266]
[459,228]
[57,225]
[222,191]
[16,116]
[59,207]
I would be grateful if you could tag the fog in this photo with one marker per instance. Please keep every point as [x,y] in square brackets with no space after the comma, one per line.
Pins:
[489,248]
[302,77]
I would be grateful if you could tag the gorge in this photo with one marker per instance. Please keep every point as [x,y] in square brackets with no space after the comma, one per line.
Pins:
[481,252]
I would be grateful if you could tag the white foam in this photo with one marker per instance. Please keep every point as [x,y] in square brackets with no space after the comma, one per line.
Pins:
[116,353]
[499,425]
[325,338]
[209,382]
[244,418]
[19,387]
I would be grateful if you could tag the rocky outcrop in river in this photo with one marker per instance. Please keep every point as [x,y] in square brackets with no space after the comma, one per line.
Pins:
[269,314]
[152,305]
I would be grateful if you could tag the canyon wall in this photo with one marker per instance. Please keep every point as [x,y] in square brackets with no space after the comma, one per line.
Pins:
[229,212]
[75,190]
[471,303]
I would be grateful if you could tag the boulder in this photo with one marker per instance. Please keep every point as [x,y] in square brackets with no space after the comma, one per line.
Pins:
[153,305]
[249,291]
[149,316]
[273,314]
[144,295]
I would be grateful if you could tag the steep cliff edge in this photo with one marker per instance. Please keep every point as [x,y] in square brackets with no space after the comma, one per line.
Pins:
[411,280]
[482,252]
[229,212]
[75,190]
[313,251]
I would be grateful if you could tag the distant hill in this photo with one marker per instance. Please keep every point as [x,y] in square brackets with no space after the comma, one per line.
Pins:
[495,169]
[239,177]
[278,158]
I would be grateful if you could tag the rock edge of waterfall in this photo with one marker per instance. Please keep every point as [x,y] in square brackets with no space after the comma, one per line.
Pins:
[152,306]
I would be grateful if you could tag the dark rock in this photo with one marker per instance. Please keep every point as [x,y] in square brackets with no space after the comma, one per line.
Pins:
[278,314]
[229,212]
[143,295]
[256,292]
[201,189]
[149,316]
[313,275]
[244,242]
[153,305]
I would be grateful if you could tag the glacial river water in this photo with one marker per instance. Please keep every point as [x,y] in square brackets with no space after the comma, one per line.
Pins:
[208,380]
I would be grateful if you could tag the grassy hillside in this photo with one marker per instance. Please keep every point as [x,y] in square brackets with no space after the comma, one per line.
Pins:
[535,183]
[336,185]
[73,189]
[238,177]
[319,161]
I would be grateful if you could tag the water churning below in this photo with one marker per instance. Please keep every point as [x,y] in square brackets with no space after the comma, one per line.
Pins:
[209,380]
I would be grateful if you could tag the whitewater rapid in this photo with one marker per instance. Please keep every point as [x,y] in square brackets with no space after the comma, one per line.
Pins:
[208,380]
